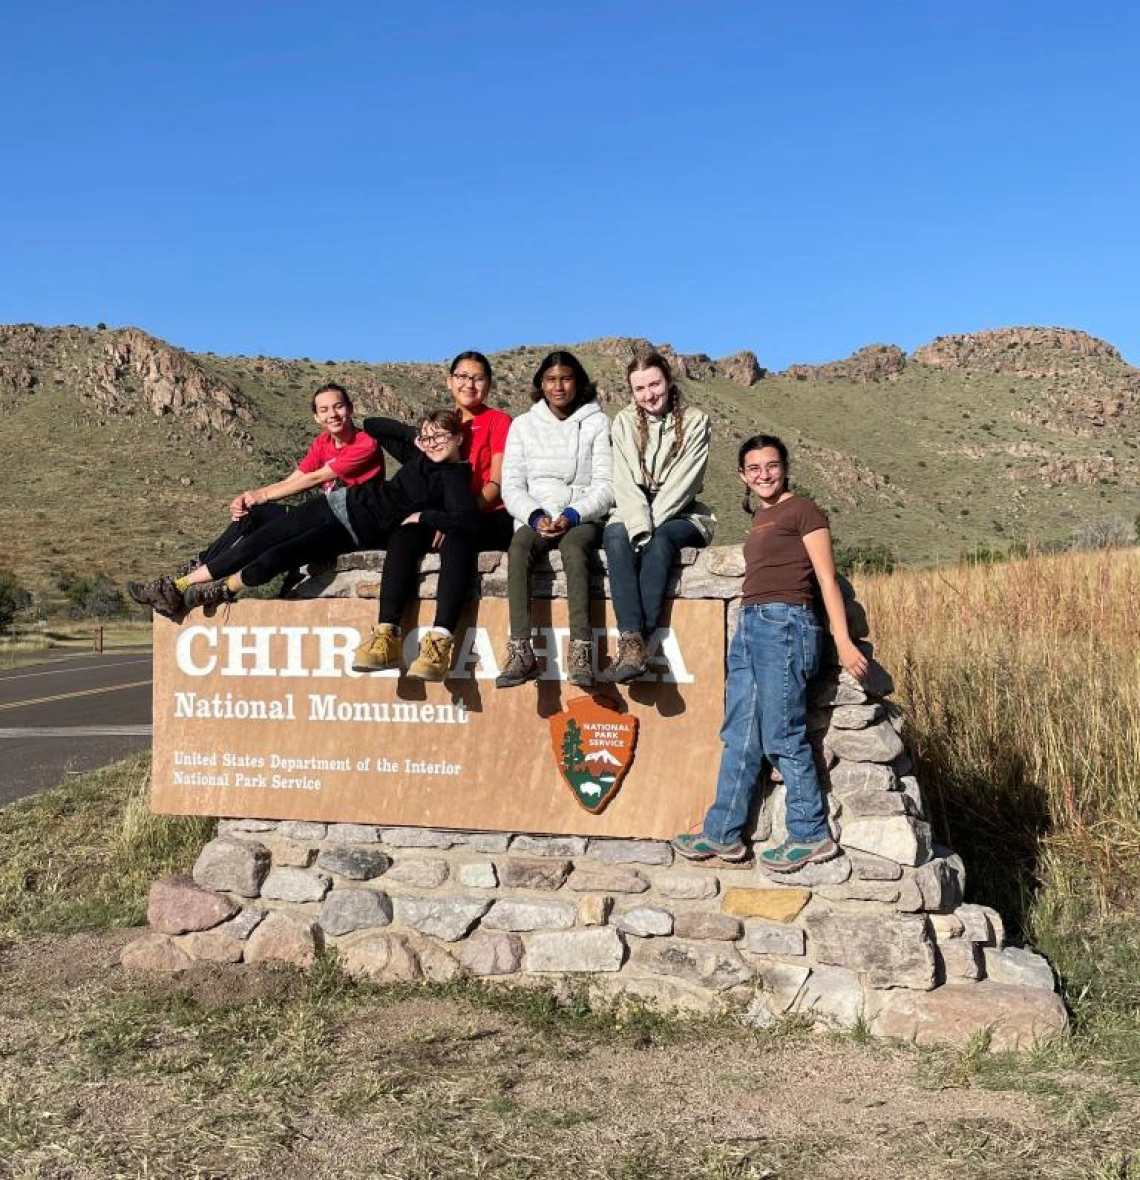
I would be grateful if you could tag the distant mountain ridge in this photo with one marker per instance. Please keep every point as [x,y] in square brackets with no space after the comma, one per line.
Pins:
[987,438]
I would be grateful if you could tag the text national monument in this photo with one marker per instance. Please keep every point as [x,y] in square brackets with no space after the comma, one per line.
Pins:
[423,830]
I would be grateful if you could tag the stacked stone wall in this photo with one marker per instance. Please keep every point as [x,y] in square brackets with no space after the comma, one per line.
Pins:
[880,937]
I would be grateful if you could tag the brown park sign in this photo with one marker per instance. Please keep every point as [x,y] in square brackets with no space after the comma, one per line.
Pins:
[257,713]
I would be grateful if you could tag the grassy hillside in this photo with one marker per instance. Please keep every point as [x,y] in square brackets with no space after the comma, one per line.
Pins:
[135,447]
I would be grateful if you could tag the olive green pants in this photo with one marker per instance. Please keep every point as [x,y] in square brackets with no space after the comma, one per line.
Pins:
[574,545]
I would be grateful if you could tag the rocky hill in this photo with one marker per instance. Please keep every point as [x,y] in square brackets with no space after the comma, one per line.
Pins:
[1013,435]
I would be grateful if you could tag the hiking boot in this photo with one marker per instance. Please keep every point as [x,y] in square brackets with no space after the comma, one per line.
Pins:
[208,594]
[580,666]
[161,595]
[700,847]
[794,854]
[434,659]
[519,666]
[289,582]
[630,662]
[380,651]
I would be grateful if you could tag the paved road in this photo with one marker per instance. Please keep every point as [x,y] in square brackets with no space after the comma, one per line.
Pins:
[70,715]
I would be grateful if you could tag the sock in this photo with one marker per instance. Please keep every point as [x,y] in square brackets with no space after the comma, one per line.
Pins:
[234,583]
[182,583]
[436,629]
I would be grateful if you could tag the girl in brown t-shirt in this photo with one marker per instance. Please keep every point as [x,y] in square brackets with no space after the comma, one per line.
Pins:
[773,655]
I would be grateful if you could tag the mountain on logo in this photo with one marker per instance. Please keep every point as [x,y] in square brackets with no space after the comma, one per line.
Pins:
[609,735]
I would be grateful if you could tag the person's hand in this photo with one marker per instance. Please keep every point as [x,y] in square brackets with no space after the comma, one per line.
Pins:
[240,505]
[413,519]
[437,540]
[557,526]
[853,660]
[542,525]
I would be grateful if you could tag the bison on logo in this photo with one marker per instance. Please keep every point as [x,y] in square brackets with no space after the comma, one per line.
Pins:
[593,748]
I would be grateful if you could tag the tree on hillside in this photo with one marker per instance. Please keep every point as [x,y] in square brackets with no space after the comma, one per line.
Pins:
[92,597]
[13,598]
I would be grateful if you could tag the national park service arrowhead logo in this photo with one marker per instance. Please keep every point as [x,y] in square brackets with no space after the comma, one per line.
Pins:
[593,748]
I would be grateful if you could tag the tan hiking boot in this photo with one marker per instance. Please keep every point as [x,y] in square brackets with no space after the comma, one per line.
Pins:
[380,652]
[519,666]
[434,659]
[580,666]
[630,662]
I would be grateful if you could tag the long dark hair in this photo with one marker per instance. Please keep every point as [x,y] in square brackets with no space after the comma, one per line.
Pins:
[757,443]
[584,389]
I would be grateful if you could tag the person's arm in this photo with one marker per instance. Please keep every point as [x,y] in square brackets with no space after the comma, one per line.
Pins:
[396,437]
[686,475]
[298,481]
[357,459]
[818,546]
[459,510]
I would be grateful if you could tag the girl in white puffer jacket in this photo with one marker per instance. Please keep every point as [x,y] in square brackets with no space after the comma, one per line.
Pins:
[558,485]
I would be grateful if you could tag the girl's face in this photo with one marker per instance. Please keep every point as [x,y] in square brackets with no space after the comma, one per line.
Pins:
[469,385]
[764,473]
[650,390]
[559,388]
[332,413]
[438,444]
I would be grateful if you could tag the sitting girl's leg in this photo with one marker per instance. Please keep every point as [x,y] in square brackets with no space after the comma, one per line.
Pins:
[575,545]
[657,561]
[519,664]
[457,562]
[621,565]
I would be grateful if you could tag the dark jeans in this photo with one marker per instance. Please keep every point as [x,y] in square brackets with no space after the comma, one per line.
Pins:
[310,532]
[458,554]
[638,580]
[257,517]
[574,545]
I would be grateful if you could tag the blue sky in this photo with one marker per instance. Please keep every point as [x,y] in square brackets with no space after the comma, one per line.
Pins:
[387,182]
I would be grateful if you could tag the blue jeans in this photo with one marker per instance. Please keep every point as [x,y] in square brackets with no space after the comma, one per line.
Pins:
[773,655]
[638,580]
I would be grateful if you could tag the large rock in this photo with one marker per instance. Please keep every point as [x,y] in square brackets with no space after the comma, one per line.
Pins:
[717,927]
[448,918]
[597,949]
[1018,967]
[177,905]
[620,852]
[353,834]
[777,905]
[901,838]
[533,874]
[388,957]
[283,938]
[780,987]
[876,743]
[708,964]
[833,994]
[514,914]
[295,885]
[682,886]
[894,950]
[230,865]
[773,938]
[1015,1017]
[478,874]
[346,910]
[420,838]
[848,778]
[302,831]
[212,946]
[981,924]
[154,952]
[549,845]
[645,922]
[607,880]
[491,952]
[355,864]
[428,872]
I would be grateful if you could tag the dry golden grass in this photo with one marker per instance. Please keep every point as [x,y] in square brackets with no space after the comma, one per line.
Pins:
[1021,685]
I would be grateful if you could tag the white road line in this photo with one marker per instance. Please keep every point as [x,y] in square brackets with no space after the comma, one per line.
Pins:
[72,671]
[33,731]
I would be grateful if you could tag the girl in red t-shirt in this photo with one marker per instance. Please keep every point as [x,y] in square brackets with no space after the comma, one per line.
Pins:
[773,655]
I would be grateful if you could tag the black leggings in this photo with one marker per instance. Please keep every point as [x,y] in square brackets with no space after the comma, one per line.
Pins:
[458,555]
[310,532]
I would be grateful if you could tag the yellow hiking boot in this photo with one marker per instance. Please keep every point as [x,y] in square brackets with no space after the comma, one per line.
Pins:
[434,659]
[380,652]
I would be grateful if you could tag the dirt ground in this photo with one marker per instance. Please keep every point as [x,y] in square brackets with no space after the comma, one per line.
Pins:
[242,1072]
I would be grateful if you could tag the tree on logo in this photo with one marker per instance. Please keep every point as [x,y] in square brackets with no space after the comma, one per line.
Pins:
[572,756]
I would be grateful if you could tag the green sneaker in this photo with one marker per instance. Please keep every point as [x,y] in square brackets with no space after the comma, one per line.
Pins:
[794,854]
[700,847]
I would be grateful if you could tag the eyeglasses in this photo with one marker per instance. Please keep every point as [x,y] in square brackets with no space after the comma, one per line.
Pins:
[439,439]
[469,378]
[763,469]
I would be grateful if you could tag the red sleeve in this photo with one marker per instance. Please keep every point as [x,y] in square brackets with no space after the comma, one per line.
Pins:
[355,457]
[500,427]
[314,459]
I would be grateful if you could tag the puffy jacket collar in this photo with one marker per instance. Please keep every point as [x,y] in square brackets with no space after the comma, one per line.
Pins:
[543,411]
